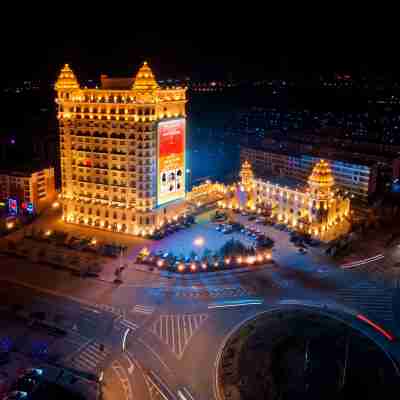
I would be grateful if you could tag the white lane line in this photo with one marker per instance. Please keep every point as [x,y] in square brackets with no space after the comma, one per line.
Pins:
[179,337]
[173,335]
[186,322]
[131,366]
[119,370]
[154,354]
[124,339]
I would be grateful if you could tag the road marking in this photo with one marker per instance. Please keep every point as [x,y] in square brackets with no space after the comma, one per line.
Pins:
[90,358]
[142,309]
[154,354]
[176,330]
[124,339]
[132,365]
[128,324]
[186,396]
[119,370]
[154,381]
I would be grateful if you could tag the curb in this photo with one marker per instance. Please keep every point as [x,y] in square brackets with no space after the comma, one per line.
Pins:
[197,275]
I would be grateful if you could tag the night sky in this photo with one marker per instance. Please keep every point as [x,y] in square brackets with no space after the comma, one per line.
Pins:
[208,51]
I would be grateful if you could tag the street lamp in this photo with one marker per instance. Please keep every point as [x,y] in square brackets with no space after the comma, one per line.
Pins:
[199,241]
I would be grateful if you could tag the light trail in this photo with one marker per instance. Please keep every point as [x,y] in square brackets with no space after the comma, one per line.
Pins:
[235,303]
[376,327]
[363,262]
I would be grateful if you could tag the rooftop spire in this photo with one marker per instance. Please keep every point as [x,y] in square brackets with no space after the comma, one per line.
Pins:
[66,79]
[145,79]
[321,177]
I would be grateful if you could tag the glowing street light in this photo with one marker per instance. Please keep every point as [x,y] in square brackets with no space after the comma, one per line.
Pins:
[160,263]
[55,205]
[10,225]
[181,267]
[199,241]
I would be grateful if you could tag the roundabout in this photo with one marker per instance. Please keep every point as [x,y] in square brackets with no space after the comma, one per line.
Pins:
[299,351]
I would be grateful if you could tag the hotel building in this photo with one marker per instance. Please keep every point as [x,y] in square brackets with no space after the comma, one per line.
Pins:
[122,151]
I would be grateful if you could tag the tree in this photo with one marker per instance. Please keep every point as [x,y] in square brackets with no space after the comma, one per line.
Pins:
[192,255]
[206,253]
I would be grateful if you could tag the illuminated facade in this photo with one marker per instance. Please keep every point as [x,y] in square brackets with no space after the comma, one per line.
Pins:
[32,189]
[318,209]
[110,147]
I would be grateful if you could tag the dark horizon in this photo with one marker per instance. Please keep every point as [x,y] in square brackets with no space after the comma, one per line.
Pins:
[211,55]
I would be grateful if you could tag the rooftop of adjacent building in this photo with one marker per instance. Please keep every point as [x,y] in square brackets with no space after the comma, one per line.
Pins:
[284,182]
[23,169]
[354,160]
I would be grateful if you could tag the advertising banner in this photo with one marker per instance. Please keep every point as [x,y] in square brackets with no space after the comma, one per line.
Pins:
[171,161]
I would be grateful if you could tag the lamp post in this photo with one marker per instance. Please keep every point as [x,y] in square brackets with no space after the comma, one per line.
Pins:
[189,179]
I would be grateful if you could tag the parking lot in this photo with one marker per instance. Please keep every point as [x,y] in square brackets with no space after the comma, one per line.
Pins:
[204,236]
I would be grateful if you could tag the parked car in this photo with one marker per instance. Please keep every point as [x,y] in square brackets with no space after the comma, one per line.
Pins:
[32,373]
[15,395]
[27,384]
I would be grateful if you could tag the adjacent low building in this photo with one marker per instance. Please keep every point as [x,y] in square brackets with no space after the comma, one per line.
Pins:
[27,190]
[356,176]
[317,208]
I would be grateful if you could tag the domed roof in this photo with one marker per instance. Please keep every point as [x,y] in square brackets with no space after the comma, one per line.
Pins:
[321,175]
[66,79]
[145,79]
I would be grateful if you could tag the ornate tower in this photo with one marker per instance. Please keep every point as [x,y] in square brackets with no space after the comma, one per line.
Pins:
[321,180]
[246,174]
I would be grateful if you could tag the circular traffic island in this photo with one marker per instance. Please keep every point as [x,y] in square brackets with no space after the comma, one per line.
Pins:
[296,354]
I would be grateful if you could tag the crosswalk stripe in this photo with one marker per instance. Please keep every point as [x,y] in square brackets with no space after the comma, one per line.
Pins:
[142,309]
[177,330]
[90,357]
[129,324]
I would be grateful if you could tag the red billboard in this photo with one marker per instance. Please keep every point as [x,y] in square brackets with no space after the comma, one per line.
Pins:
[171,161]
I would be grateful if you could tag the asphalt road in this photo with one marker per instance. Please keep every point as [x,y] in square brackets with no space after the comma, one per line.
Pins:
[162,335]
